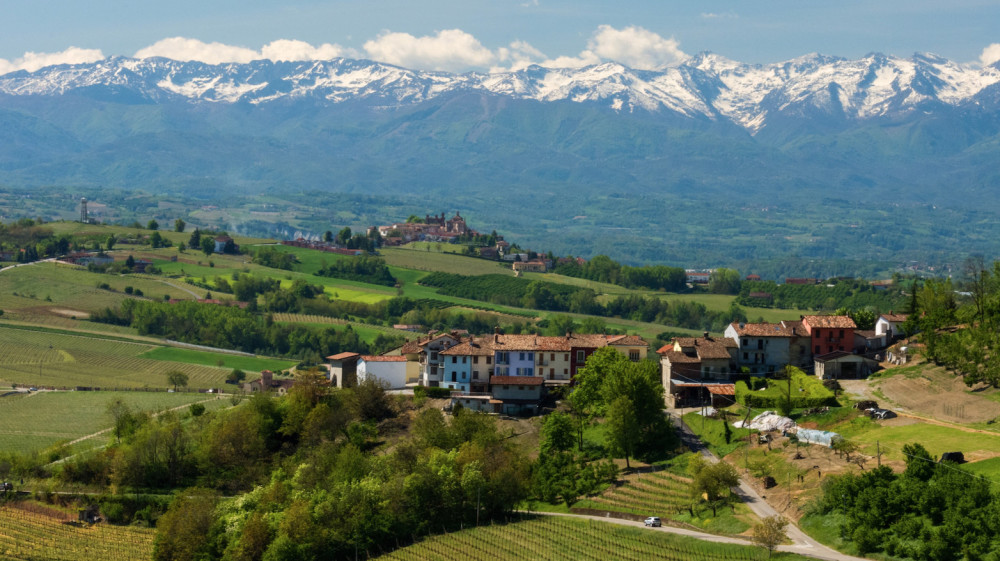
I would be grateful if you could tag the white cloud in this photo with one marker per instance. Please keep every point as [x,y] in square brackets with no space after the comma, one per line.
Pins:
[450,49]
[636,47]
[182,48]
[719,15]
[991,54]
[33,61]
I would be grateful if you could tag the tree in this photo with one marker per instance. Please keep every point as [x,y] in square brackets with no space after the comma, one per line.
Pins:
[179,225]
[124,420]
[181,247]
[623,428]
[194,241]
[129,262]
[153,225]
[845,447]
[176,378]
[197,409]
[712,480]
[769,533]
[184,528]
[919,462]
[724,281]
[328,236]
[557,433]
[207,246]
[344,236]
[109,244]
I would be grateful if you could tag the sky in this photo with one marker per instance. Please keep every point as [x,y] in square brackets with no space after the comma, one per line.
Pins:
[461,35]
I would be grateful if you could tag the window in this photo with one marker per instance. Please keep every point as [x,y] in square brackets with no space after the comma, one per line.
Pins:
[454,359]
[475,374]
[434,355]
[745,342]
[841,333]
[581,356]
[745,356]
[816,352]
[522,356]
[465,359]
[503,358]
[517,372]
[488,359]
[760,344]
[529,371]
[520,387]
[566,357]
[633,356]
[552,356]
[475,360]
[552,372]
[565,371]
[454,377]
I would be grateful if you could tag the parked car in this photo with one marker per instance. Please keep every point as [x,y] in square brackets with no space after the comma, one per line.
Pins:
[653,521]
[882,414]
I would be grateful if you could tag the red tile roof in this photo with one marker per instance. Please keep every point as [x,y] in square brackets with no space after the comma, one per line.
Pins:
[829,322]
[383,358]
[516,380]
[721,389]
[895,318]
[342,356]
[763,329]
[478,347]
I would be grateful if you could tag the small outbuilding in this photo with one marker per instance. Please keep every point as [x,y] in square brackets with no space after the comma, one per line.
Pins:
[843,365]
[388,369]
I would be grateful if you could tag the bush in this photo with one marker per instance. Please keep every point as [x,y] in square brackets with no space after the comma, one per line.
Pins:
[433,393]
[774,397]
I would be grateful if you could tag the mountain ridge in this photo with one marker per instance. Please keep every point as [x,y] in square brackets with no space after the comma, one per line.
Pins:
[707,86]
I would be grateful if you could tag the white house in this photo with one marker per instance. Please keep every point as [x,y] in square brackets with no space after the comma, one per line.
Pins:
[890,326]
[389,369]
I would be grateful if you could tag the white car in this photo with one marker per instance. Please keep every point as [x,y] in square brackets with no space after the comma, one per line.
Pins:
[653,521]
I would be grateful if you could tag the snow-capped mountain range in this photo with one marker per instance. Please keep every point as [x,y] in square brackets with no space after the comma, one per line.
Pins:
[707,86]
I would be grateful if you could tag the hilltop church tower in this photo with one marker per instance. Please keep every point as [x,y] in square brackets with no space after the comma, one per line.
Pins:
[83,210]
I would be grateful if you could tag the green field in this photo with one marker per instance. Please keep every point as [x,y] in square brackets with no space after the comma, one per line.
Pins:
[556,538]
[36,421]
[448,263]
[29,531]
[221,360]
[44,358]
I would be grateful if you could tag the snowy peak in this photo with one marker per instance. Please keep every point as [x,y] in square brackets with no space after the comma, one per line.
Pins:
[707,86]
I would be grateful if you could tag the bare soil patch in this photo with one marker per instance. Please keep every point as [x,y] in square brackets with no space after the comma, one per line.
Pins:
[937,393]
[68,313]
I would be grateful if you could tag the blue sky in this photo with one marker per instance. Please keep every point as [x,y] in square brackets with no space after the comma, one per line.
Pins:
[495,33]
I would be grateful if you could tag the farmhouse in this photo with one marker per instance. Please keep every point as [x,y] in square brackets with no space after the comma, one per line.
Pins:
[690,365]
[767,347]
[388,369]
[342,369]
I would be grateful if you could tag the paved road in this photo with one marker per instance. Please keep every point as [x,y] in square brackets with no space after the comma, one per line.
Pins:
[801,543]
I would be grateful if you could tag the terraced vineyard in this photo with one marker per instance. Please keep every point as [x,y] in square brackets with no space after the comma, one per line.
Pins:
[38,421]
[557,538]
[31,533]
[52,359]
[661,494]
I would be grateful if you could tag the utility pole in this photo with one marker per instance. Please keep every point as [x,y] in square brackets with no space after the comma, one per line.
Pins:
[878,453]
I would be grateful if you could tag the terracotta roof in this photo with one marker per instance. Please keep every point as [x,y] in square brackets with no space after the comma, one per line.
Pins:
[410,348]
[436,337]
[895,318]
[721,389]
[481,347]
[383,358]
[796,327]
[708,348]
[677,357]
[342,356]
[867,333]
[529,343]
[763,329]
[516,380]
[826,322]
[628,340]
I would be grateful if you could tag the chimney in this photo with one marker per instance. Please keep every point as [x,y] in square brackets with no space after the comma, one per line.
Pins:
[706,336]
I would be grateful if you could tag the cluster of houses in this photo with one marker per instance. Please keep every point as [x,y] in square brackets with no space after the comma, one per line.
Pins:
[433,228]
[698,369]
[501,373]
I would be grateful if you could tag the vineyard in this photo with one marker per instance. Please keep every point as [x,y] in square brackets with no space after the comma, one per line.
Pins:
[29,532]
[558,538]
[38,421]
[662,494]
[41,358]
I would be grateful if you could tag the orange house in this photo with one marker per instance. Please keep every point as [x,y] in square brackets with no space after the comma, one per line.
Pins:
[829,333]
